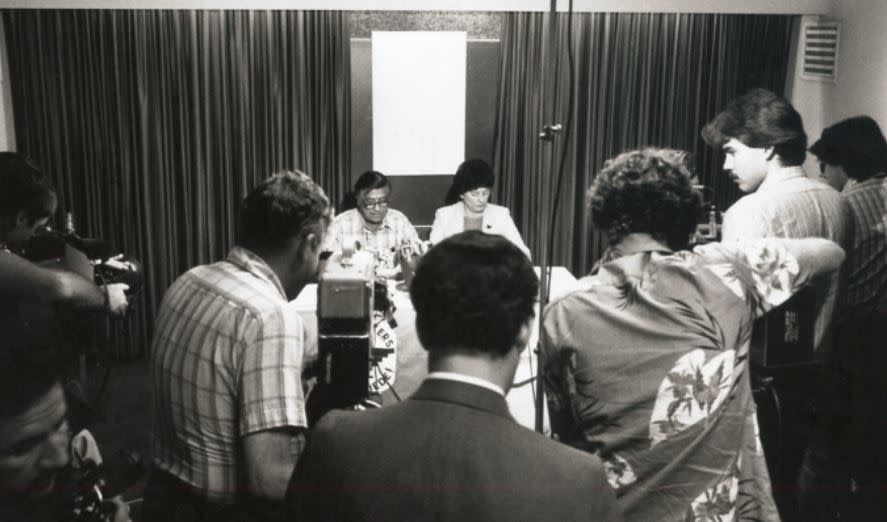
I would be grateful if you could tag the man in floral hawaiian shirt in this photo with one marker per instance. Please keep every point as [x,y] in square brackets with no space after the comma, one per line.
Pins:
[646,363]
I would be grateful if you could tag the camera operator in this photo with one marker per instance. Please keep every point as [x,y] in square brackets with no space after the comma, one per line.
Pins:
[35,441]
[27,201]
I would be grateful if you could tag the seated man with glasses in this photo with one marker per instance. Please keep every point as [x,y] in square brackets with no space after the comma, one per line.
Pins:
[372,225]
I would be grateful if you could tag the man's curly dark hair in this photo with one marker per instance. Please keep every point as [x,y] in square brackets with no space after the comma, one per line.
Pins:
[646,191]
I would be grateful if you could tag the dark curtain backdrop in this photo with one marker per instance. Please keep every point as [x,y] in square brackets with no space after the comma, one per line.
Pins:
[640,79]
[155,124]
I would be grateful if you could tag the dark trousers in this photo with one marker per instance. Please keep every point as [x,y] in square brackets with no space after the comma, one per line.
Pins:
[168,499]
[845,464]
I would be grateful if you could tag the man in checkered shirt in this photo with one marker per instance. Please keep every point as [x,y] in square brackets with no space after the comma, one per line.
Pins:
[226,363]
[373,225]
[853,159]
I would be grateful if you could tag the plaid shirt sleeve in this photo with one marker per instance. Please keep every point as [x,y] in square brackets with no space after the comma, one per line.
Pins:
[270,386]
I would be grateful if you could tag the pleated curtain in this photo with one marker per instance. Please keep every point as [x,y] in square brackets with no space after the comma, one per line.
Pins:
[641,79]
[155,124]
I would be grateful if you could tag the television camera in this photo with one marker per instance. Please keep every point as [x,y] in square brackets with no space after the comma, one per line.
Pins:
[357,344]
[89,257]
[85,489]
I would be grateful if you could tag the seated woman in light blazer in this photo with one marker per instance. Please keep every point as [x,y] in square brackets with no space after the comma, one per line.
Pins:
[468,207]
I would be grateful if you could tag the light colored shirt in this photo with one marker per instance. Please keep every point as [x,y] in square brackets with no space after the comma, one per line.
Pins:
[383,242]
[468,379]
[788,204]
[226,361]
[866,265]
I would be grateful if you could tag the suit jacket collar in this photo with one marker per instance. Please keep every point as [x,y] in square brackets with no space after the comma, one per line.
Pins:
[464,394]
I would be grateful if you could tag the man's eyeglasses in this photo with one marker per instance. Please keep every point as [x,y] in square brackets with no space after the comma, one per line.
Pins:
[374,203]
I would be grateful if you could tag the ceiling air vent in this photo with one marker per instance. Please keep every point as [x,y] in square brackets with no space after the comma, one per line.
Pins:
[820,44]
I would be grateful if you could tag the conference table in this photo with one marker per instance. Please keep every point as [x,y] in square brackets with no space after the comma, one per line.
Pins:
[412,359]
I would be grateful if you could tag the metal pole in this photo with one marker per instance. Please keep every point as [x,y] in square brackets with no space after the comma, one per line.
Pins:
[547,136]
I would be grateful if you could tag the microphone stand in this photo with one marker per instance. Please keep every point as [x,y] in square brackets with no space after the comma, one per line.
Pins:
[546,135]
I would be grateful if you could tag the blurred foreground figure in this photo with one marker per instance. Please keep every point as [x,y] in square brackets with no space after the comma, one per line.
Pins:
[853,159]
[452,452]
[35,439]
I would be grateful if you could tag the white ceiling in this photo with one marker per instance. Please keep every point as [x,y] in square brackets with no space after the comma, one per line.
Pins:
[689,6]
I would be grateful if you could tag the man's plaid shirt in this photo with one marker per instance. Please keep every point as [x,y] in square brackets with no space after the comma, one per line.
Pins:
[226,361]
[383,242]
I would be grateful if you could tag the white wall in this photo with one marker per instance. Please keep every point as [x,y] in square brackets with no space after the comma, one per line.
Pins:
[861,87]
[861,84]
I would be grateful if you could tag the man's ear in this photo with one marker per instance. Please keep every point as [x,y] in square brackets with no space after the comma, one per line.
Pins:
[770,152]
[523,335]
[311,242]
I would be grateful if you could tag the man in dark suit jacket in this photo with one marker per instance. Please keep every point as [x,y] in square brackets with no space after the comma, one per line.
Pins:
[452,451]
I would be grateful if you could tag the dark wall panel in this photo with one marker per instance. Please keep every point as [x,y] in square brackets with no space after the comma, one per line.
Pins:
[419,196]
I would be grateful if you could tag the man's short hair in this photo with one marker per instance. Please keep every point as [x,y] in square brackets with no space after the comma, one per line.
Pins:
[646,191]
[856,144]
[285,205]
[759,119]
[473,292]
[24,187]
[30,365]
[370,180]
[471,174]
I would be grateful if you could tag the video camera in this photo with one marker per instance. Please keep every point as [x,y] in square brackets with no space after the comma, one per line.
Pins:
[85,490]
[345,297]
[88,257]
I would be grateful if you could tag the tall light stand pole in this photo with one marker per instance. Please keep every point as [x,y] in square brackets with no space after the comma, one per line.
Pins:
[546,135]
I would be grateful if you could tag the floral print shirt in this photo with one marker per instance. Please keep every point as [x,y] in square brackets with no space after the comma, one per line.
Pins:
[646,366]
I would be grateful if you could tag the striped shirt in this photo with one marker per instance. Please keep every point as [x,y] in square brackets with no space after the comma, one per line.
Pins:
[866,265]
[788,204]
[226,361]
[384,242]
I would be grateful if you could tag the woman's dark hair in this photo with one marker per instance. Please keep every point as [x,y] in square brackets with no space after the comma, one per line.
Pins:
[647,191]
[473,291]
[471,174]
[759,119]
[856,144]
[24,187]
[285,205]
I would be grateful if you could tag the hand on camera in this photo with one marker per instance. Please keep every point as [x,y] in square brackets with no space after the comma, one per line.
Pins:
[116,298]
[120,511]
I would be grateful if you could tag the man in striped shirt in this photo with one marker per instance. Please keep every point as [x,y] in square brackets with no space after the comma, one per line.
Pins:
[765,144]
[853,158]
[226,363]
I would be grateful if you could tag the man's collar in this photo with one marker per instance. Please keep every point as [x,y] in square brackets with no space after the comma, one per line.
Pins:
[250,262]
[778,175]
[631,244]
[467,379]
[464,394]
[874,180]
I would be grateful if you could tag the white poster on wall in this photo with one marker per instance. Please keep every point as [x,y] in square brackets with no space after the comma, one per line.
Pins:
[418,101]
